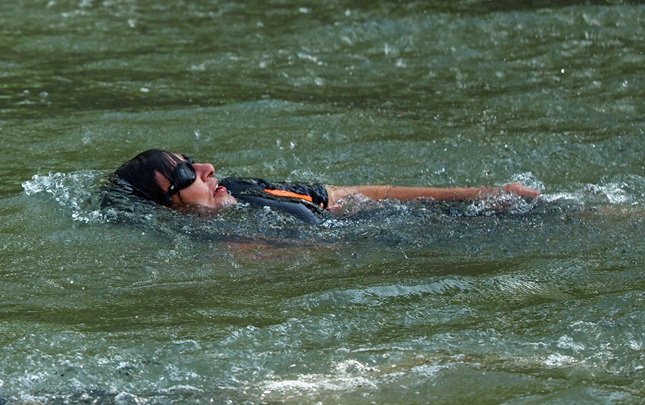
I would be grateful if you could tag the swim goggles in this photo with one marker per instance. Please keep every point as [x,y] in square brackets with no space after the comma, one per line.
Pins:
[183,176]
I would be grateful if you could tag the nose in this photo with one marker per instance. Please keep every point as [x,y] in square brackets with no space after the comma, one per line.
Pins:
[204,170]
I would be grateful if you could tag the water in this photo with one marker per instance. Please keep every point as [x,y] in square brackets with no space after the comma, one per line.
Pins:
[397,303]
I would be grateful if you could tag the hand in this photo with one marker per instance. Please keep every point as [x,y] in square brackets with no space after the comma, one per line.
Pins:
[521,190]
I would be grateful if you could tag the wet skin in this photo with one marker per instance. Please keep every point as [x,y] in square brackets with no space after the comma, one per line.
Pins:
[204,191]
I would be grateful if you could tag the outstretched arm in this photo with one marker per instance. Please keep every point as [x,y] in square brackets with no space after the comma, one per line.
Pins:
[335,193]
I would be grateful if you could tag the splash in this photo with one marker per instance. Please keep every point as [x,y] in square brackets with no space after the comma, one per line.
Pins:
[73,191]
[609,193]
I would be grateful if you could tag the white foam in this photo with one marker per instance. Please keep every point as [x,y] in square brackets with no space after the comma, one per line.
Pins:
[558,360]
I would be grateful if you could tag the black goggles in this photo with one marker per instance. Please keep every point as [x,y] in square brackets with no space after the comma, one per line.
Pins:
[183,176]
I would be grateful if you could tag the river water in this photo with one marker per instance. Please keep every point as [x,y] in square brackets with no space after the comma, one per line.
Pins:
[532,302]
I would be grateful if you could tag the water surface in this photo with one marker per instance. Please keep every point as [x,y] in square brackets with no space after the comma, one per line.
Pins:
[397,303]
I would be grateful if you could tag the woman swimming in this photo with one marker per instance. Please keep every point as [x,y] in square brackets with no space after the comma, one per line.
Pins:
[176,181]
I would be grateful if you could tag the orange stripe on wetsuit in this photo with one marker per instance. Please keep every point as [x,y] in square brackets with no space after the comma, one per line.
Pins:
[289,194]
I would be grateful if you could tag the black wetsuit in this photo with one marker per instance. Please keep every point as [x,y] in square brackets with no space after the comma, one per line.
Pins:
[306,202]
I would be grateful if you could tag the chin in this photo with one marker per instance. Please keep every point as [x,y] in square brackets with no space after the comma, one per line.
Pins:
[225,203]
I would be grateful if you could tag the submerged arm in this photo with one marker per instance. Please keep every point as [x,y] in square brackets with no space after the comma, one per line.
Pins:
[376,192]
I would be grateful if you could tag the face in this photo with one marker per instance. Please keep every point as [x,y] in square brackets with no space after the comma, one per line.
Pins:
[204,191]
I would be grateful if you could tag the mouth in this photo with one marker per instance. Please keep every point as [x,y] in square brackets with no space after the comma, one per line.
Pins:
[220,190]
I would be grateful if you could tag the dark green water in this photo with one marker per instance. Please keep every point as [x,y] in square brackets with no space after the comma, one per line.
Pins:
[400,303]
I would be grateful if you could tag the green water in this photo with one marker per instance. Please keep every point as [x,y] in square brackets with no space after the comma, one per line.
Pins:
[397,303]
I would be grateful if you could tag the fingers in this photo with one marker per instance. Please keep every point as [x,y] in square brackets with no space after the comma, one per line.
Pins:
[521,190]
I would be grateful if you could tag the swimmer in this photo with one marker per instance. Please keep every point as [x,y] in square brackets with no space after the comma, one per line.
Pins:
[176,181]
